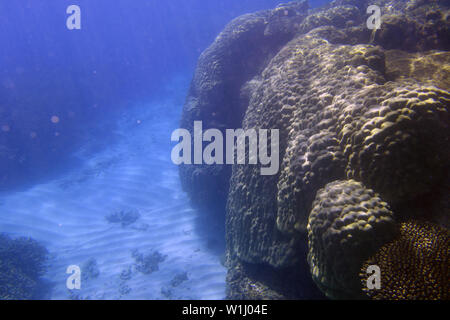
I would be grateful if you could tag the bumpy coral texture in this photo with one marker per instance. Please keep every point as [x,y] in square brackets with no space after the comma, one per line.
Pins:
[414,266]
[219,92]
[338,118]
[346,224]
[353,106]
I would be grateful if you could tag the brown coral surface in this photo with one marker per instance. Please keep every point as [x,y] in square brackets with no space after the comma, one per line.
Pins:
[414,266]
[361,113]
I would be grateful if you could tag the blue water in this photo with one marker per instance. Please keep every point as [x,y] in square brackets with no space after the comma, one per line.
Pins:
[85,123]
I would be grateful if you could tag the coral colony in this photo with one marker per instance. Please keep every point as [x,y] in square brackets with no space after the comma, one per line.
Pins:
[361,109]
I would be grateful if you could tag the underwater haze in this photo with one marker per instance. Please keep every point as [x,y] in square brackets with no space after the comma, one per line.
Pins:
[125,53]
[97,202]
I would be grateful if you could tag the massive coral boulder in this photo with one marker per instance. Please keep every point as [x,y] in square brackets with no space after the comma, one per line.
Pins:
[221,87]
[362,115]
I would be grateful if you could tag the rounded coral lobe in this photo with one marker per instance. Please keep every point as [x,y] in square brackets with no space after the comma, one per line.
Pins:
[347,220]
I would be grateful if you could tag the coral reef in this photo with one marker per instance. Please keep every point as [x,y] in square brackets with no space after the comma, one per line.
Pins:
[22,264]
[147,263]
[126,274]
[362,115]
[89,269]
[219,91]
[124,217]
[178,279]
[414,265]
[124,289]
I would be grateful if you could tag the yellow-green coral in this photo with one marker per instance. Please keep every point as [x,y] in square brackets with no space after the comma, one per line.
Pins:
[413,266]
[372,115]
[347,223]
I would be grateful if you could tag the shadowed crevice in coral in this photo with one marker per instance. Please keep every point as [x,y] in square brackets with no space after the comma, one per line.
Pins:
[261,282]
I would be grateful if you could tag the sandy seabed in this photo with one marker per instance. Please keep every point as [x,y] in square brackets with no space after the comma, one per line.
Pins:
[135,174]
